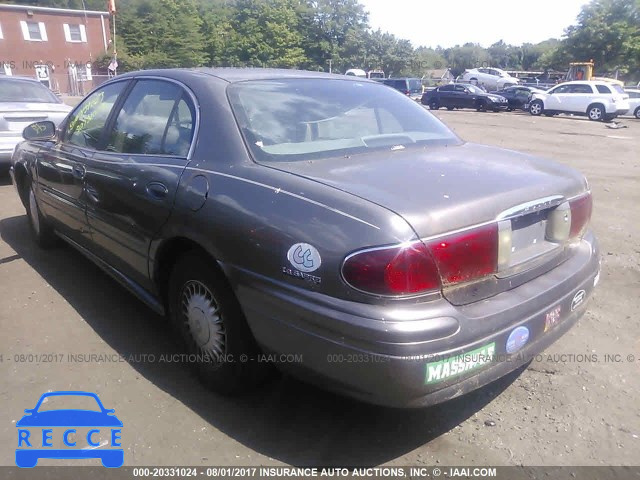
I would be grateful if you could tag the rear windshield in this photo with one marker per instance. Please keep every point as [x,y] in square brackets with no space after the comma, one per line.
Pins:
[617,88]
[12,90]
[301,119]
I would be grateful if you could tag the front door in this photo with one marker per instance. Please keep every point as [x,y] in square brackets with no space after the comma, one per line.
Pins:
[62,168]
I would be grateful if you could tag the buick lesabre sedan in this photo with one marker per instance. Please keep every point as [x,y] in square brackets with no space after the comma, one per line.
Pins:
[329,223]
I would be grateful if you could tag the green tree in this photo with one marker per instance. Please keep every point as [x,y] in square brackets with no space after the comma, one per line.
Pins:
[607,31]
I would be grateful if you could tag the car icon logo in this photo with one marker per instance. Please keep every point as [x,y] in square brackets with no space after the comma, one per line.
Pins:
[36,432]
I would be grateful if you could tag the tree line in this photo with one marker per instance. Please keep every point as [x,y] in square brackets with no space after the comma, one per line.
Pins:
[336,35]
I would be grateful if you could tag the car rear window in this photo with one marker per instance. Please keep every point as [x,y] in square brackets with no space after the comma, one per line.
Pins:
[415,85]
[618,88]
[603,89]
[12,90]
[301,119]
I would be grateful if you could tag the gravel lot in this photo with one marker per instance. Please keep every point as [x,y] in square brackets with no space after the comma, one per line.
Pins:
[571,408]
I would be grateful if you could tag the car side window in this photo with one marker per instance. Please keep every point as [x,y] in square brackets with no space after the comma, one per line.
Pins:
[603,89]
[85,125]
[581,89]
[446,88]
[157,118]
[460,88]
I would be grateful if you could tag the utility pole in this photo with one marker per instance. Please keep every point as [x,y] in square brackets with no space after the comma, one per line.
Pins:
[330,60]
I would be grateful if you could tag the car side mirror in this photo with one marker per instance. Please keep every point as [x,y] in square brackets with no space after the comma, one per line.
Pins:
[39,130]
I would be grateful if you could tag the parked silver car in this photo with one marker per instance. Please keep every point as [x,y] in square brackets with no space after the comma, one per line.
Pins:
[327,223]
[22,102]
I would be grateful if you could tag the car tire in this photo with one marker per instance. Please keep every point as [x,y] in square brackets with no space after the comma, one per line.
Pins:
[433,105]
[206,315]
[536,108]
[637,113]
[596,112]
[481,106]
[41,230]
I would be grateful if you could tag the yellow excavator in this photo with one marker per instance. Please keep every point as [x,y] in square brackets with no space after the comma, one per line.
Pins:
[584,71]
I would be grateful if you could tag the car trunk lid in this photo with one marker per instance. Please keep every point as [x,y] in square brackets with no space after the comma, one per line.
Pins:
[440,190]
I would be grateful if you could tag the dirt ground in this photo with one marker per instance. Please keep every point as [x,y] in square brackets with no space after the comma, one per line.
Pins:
[574,407]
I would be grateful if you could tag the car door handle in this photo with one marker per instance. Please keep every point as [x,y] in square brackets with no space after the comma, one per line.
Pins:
[79,171]
[157,190]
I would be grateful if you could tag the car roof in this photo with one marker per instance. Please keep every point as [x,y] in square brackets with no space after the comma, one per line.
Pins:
[233,75]
[20,79]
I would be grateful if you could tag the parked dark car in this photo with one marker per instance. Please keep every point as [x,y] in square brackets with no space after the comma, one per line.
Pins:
[411,87]
[463,95]
[328,222]
[518,97]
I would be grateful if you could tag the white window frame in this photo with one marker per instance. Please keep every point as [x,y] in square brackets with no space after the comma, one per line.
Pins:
[67,32]
[27,36]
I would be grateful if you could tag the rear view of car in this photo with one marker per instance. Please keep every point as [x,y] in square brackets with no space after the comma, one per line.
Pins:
[22,102]
[411,87]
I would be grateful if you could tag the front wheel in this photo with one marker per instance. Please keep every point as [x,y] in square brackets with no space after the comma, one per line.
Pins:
[637,113]
[536,108]
[433,105]
[41,231]
[207,316]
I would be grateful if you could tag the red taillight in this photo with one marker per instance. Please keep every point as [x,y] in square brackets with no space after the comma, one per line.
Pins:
[401,270]
[419,267]
[467,255]
[580,215]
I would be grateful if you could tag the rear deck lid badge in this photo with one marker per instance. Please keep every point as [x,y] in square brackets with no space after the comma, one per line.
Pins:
[304,257]
[517,339]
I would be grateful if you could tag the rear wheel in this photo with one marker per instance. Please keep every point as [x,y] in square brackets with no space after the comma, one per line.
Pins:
[41,231]
[449,108]
[596,112]
[207,316]
[637,113]
[536,107]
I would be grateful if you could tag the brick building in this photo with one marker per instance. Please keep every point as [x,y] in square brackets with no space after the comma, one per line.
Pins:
[57,45]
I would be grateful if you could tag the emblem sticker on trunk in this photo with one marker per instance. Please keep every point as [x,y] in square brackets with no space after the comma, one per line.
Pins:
[304,257]
[578,298]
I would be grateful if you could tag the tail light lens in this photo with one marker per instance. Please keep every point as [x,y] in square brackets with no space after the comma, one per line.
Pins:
[401,270]
[580,215]
[422,267]
[467,255]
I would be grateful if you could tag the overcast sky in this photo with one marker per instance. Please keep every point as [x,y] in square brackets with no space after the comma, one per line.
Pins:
[449,22]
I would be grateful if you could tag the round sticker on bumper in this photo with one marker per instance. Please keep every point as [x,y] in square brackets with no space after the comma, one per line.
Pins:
[304,257]
[517,339]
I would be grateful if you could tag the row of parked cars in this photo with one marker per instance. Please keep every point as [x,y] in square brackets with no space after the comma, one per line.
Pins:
[597,100]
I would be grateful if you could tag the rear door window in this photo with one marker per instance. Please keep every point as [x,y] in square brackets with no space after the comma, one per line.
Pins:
[157,118]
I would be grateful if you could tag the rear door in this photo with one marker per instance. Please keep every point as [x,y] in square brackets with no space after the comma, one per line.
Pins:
[445,95]
[580,97]
[131,183]
[61,167]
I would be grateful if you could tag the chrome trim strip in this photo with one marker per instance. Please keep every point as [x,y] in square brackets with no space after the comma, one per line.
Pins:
[531,207]
[285,192]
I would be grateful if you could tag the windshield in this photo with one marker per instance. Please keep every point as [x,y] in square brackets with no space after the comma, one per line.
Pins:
[474,89]
[12,90]
[302,119]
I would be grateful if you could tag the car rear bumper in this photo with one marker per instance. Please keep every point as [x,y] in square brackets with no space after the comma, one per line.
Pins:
[7,146]
[437,353]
